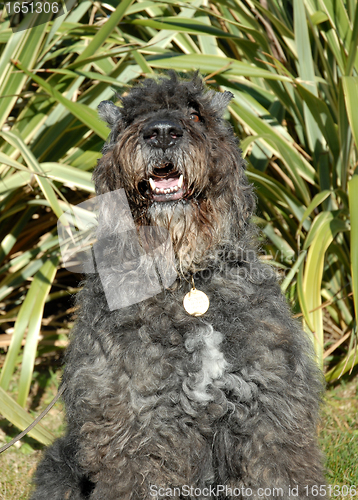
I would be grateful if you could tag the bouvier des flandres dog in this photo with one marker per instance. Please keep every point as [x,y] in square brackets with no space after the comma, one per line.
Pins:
[214,397]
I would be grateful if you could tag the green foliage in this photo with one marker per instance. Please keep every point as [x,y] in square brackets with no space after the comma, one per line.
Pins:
[19,417]
[292,67]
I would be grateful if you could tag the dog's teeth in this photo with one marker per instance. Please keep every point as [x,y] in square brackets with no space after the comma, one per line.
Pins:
[152,184]
[180,182]
[157,190]
[175,188]
[161,190]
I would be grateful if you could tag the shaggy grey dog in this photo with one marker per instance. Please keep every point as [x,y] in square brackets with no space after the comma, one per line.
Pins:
[164,404]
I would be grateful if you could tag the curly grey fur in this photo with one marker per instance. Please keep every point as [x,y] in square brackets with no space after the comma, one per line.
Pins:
[159,401]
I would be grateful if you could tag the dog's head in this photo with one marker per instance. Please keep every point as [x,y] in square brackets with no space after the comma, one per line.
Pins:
[178,161]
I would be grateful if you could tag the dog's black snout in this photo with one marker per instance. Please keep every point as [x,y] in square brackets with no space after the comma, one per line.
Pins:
[162,133]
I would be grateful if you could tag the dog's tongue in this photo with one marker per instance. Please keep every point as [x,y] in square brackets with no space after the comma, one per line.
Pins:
[165,183]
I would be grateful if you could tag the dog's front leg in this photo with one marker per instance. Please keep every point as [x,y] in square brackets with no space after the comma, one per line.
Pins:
[266,447]
[154,465]
[263,467]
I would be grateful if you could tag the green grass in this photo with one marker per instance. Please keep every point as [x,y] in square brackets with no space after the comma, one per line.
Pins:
[338,435]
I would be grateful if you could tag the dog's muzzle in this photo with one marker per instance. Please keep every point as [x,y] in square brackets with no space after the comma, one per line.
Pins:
[166,183]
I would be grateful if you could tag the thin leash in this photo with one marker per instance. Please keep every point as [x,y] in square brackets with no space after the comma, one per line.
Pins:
[36,421]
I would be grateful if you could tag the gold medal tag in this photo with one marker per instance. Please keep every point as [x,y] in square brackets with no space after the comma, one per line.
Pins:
[196,302]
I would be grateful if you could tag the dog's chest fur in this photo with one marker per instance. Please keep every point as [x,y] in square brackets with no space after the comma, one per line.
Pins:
[204,347]
[194,368]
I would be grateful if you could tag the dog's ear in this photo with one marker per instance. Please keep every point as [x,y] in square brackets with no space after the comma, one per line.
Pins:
[219,100]
[109,113]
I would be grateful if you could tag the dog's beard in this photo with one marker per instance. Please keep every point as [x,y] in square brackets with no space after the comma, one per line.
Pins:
[183,212]
[180,220]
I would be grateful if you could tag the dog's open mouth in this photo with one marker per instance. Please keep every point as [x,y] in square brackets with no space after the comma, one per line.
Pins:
[166,183]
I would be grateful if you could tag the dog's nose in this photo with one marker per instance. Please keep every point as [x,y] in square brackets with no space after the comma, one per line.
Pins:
[162,133]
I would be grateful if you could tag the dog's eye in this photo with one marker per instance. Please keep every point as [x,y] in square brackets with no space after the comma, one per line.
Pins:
[195,117]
